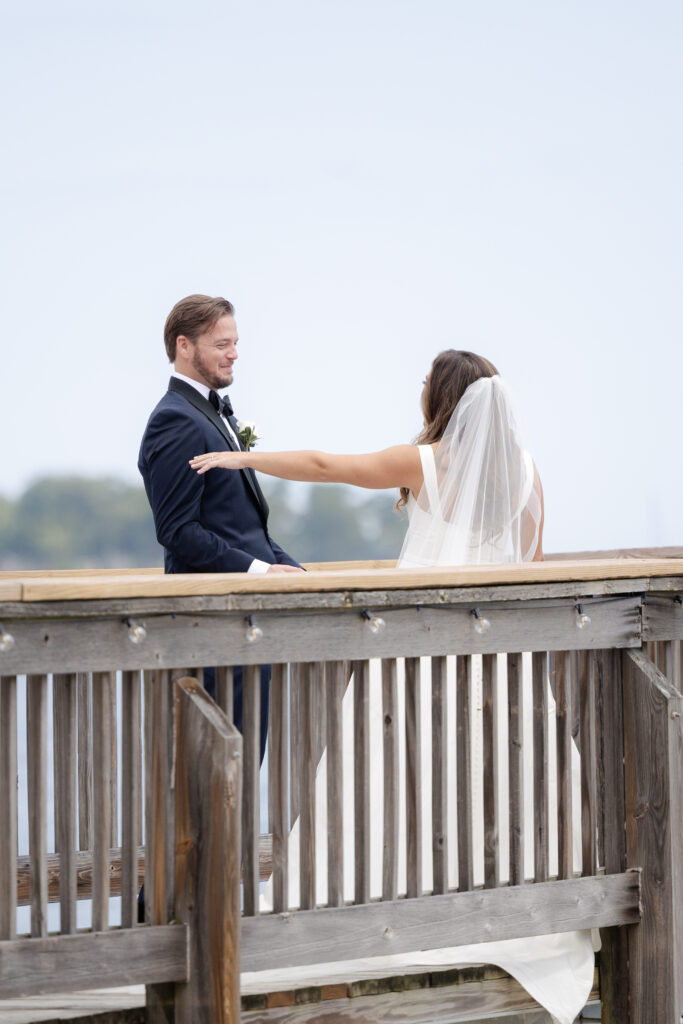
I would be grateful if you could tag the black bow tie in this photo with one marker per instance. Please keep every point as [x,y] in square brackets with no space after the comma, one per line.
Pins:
[221,405]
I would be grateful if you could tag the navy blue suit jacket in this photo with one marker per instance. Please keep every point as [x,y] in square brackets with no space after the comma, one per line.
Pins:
[217,522]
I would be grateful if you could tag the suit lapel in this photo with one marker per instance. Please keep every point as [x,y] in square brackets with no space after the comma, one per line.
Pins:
[204,406]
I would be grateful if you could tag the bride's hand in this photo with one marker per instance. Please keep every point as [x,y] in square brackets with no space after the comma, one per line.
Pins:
[215,460]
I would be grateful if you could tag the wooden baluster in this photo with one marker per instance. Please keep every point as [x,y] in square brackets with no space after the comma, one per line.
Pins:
[516,768]
[102,731]
[439,775]
[589,810]
[307,766]
[113,771]
[225,690]
[490,751]
[391,789]
[130,791]
[464,771]
[251,796]
[540,732]
[294,741]
[335,676]
[361,761]
[8,806]
[36,756]
[560,667]
[278,785]
[413,778]
[64,697]
[84,761]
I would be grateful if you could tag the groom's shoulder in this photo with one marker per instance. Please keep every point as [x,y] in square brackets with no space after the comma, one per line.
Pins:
[171,408]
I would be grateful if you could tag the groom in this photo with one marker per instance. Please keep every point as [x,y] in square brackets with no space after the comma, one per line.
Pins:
[217,522]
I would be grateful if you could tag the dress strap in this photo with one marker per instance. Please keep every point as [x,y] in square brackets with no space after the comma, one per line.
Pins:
[429,472]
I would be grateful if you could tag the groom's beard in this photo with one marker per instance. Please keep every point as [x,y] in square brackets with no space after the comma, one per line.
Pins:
[214,377]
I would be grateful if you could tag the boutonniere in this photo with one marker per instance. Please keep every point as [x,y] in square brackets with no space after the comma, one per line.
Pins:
[246,431]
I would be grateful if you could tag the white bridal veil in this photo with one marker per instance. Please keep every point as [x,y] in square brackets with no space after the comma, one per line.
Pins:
[481,499]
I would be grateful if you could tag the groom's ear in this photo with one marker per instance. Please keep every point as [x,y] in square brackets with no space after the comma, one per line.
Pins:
[183,344]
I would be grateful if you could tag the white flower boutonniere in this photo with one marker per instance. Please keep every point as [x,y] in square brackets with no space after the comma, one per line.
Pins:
[246,431]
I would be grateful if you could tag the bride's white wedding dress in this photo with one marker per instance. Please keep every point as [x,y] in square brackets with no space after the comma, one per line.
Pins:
[453,523]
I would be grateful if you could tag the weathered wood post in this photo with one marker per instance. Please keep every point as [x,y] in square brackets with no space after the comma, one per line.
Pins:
[653,765]
[207,861]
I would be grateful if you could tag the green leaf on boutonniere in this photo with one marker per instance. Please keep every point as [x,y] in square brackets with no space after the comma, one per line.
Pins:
[246,431]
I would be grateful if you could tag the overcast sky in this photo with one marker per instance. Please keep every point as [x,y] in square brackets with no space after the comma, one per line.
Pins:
[369,181]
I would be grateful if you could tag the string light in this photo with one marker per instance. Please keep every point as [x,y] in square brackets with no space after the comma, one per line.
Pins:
[582,619]
[137,631]
[6,639]
[481,624]
[374,622]
[253,632]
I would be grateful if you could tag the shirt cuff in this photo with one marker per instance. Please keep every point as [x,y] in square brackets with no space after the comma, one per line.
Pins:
[258,567]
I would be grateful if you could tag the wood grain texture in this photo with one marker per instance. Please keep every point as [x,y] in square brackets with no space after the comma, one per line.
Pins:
[560,670]
[101,718]
[65,710]
[151,584]
[65,963]
[491,770]
[653,761]
[464,772]
[439,776]
[8,806]
[307,802]
[390,742]
[251,793]
[589,763]
[36,747]
[84,761]
[207,867]
[361,780]
[413,778]
[403,926]
[540,735]
[278,785]
[515,768]
[130,791]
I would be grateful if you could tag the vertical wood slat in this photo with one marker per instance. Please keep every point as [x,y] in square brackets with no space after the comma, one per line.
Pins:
[390,743]
[225,690]
[439,775]
[65,710]
[560,668]
[102,731]
[614,960]
[309,741]
[251,797]
[515,768]
[36,755]
[294,741]
[540,733]
[113,772]
[589,810]
[130,793]
[361,781]
[319,701]
[84,761]
[8,806]
[278,785]
[413,779]
[490,767]
[335,678]
[464,772]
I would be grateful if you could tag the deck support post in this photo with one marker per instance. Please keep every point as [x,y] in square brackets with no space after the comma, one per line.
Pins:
[653,767]
[208,809]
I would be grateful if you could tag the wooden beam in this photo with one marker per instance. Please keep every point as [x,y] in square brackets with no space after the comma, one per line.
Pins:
[431,922]
[64,963]
[99,644]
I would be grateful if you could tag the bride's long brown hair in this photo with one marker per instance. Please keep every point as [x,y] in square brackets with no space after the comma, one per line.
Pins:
[451,374]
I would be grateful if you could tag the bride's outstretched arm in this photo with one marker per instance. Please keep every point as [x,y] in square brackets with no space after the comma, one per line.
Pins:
[399,466]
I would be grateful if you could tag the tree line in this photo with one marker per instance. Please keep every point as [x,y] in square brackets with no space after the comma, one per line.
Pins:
[76,522]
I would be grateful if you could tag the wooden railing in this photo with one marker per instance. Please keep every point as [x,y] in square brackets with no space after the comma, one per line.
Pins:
[599,640]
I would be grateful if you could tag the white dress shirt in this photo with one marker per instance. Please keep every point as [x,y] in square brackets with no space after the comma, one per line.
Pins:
[257,566]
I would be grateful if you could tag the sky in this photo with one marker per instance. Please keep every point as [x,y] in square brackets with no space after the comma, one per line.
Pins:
[369,182]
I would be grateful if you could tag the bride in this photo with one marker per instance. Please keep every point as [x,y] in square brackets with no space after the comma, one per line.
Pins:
[473,495]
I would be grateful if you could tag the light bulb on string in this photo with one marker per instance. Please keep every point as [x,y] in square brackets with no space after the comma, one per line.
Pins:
[375,623]
[481,624]
[137,631]
[582,619]
[6,639]
[253,632]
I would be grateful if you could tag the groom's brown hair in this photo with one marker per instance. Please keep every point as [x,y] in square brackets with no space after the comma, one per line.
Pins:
[191,317]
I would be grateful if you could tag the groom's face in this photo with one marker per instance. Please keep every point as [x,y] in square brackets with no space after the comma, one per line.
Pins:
[214,353]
